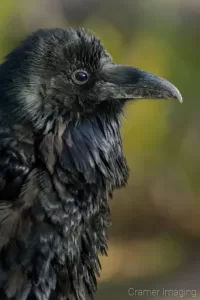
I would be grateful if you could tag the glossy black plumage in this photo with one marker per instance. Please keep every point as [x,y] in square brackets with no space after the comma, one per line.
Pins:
[60,160]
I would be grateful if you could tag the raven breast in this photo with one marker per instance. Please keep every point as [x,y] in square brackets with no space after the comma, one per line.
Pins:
[85,163]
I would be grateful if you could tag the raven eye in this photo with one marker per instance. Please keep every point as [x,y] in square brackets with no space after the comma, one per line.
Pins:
[80,77]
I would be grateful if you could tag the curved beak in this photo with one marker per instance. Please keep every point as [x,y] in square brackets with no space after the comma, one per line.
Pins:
[131,83]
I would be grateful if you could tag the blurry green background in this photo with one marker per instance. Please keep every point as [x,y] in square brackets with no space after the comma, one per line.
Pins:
[155,238]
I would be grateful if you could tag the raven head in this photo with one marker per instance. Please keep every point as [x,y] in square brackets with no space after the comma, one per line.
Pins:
[69,70]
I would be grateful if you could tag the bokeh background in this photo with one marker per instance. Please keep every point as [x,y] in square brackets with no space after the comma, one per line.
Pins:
[155,238]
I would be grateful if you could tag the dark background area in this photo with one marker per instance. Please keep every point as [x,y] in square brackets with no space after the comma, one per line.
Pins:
[155,238]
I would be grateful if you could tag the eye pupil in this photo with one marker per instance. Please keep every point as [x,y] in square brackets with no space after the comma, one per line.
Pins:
[81,76]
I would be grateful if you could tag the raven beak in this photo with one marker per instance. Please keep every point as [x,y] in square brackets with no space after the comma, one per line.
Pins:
[128,83]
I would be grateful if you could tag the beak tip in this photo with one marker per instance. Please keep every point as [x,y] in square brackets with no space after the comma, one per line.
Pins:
[178,96]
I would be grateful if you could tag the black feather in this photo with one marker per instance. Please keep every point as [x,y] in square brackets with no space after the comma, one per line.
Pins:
[60,160]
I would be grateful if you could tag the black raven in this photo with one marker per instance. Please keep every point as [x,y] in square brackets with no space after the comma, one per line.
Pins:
[60,160]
